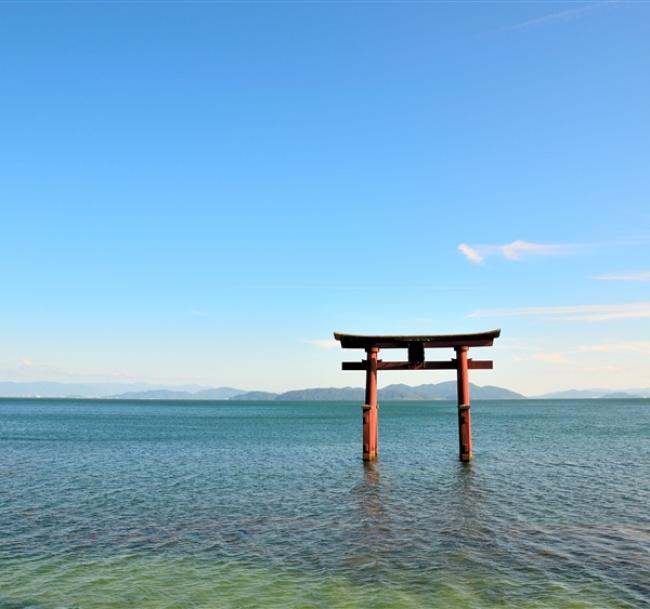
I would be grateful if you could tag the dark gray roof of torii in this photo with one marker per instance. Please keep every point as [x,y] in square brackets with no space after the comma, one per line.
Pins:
[396,341]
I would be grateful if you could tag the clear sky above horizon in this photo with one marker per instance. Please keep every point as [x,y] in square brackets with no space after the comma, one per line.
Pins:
[201,192]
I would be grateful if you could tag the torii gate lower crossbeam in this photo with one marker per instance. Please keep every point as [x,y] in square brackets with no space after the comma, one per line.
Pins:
[416,346]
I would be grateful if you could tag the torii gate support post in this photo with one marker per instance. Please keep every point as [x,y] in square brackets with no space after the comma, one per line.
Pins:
[464,416]
[370,414]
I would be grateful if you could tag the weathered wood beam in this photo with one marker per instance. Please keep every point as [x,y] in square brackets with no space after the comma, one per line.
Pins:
[394,341]
[445,365]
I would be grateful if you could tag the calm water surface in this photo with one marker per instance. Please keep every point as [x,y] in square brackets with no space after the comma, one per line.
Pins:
[108,504]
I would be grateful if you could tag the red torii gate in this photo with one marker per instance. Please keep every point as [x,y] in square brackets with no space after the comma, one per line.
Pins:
[416,361]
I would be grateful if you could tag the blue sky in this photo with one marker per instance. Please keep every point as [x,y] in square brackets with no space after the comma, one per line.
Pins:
[203,192]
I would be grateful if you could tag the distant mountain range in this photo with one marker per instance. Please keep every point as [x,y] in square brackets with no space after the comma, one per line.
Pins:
[214,393]
[439,391]
[436,391]
[143,391]
[604,394]
[104,390]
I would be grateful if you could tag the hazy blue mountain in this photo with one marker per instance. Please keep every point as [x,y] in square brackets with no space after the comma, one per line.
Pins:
[87,390]
[213,393]
[217,393]
[153,394]
[324,393]
[437,391]
[400,391]
[577,394]
[573,394]
[492,392]
[432,391]
[445,391]
[102,390]
[619,395]
[255,395]
[135,391]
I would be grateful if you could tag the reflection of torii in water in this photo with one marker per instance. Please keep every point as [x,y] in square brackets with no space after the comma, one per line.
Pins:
[416,361]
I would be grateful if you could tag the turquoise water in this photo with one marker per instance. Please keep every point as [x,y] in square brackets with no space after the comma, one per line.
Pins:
[108,504]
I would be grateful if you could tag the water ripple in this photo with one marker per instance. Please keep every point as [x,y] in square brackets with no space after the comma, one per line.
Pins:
[106,504]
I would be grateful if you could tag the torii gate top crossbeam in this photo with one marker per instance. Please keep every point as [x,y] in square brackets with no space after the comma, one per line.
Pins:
[361,341]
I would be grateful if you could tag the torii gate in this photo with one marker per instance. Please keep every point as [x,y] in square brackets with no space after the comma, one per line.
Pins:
[416,361]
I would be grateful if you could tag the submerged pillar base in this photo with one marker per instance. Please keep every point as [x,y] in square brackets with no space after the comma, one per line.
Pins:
[369,432]
[465,433]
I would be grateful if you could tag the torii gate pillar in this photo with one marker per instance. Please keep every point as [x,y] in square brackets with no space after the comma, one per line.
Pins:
[464,416]
[416,346]
[370,414]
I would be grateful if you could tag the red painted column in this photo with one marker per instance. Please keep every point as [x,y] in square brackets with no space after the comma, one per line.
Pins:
[370,419]
[464,416]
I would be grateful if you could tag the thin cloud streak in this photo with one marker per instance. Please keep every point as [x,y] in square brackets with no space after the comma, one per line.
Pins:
[322,343]
[640,346]
[470,253]
[634,310]
[28,370]
[516,250]
[552,18]
[358,288]
[550,358]
[638,276]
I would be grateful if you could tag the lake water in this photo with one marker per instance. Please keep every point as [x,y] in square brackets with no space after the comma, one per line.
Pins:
[107,504]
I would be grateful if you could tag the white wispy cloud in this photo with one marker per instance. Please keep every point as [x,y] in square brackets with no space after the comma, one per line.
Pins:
[633,310]
[635,346]
[470,253]
[516,250]
[322,343]
[636,276]
[553,17]
[551,358]
[26,362]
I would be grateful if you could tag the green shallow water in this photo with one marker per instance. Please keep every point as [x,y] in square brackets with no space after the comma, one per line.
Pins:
[225,504]
[131,581]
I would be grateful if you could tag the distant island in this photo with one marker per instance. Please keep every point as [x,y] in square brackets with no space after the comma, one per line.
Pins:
[435,391]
